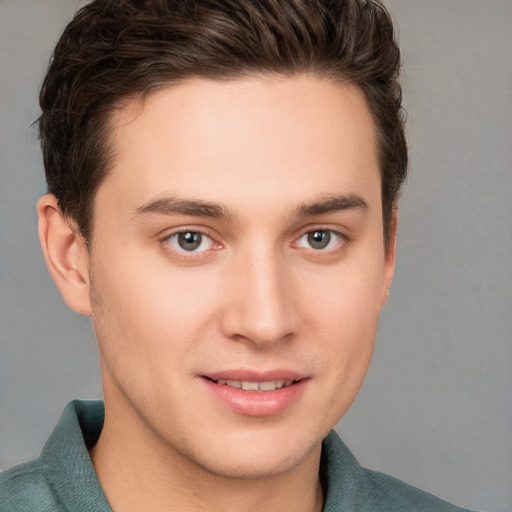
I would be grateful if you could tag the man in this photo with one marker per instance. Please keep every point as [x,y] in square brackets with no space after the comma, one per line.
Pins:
[223,183]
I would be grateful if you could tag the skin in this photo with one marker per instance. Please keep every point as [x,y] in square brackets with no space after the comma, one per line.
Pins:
[280,158]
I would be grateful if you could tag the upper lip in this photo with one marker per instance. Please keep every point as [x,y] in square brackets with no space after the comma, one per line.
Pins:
[255,375]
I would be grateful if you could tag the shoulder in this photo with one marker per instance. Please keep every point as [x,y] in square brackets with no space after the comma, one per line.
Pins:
[350,487]
[26,488]
[389,493]
[62,478]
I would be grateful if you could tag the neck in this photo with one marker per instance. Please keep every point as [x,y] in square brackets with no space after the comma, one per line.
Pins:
[139,471]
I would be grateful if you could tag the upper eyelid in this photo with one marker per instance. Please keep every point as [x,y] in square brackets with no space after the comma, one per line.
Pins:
[338,230]
[167,233]
[333,231]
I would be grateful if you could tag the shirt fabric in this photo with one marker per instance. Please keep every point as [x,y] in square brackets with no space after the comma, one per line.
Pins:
[63,479]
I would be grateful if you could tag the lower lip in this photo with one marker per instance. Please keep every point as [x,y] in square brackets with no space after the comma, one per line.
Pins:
[257,403]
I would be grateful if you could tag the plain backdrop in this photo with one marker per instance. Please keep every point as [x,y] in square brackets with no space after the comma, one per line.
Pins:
[436,408]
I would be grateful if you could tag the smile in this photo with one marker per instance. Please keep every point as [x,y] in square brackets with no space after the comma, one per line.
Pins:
[253,394]
[246,385]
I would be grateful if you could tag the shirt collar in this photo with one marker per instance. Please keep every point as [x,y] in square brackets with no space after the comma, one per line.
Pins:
[72,476]
[69,469]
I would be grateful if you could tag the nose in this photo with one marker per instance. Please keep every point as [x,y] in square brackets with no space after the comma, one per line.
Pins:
[261,301]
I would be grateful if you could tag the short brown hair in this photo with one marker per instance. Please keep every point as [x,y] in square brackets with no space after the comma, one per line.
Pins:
[114,49]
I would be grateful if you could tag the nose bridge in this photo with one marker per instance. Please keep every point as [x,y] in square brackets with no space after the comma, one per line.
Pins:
[261,308]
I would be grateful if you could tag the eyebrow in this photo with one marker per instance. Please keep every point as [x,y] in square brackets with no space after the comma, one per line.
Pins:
[332,204]
[199,208]
[176,206]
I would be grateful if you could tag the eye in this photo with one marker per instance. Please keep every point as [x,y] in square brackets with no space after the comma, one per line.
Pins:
[190,241]
[320,239]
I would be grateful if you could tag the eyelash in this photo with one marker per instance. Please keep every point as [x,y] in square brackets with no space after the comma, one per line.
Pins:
[340,243]
[169,246]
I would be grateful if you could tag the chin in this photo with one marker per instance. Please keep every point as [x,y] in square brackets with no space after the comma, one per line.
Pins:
[257,456]
[257,467]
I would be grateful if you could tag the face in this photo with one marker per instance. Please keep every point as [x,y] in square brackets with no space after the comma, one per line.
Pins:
[237,268]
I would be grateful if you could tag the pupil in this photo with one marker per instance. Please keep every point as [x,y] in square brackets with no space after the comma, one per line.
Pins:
[319,239]
[189,241]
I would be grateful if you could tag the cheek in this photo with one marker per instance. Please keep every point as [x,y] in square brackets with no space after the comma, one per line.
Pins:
[146,318]
[346,298]
[344,316]
[350,340]
[349,348]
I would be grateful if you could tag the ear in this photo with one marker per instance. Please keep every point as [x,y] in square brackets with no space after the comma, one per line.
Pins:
[390,251]
[66,255]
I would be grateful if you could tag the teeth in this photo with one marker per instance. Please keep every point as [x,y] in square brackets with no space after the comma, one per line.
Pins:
[246,385]
[267,386]
[249,386]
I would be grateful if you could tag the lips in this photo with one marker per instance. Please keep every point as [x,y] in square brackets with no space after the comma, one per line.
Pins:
[257,394]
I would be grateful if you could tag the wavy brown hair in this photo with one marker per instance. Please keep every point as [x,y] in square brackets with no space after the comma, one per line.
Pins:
[115,49]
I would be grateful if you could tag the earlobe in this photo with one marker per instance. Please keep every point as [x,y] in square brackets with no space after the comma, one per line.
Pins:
[66,255]
[389,264]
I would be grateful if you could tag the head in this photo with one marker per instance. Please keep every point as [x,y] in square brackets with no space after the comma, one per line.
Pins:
[225,177]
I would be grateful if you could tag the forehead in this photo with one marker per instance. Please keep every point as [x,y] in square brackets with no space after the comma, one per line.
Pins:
[232,140]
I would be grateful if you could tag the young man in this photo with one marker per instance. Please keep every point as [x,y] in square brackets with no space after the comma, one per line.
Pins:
[223,183]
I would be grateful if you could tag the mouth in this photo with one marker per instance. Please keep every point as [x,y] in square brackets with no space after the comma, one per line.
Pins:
[247,385]
[257,394]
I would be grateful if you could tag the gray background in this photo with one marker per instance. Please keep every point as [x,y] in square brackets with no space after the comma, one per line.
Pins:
[436,408]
